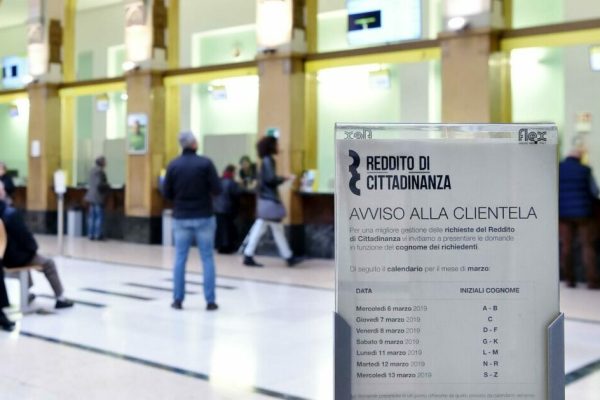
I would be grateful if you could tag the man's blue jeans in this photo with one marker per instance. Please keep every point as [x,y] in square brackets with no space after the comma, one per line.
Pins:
[95,221]
[185,231]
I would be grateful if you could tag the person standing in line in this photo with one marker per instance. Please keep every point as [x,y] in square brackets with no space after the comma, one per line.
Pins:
[189,183]
[577,192]
[226,206]
[9,185]
[96,196]
[269,211]
[247,172]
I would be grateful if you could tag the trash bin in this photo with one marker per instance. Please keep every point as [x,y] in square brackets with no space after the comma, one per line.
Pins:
[167,227]
[75,222]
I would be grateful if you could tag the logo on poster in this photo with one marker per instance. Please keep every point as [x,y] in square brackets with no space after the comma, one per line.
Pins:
[359,134]
[382,173]
[354,175]
[535,137]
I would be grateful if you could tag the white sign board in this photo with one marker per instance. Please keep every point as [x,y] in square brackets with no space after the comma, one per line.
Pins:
[446,260]
[36,148]
[60,182]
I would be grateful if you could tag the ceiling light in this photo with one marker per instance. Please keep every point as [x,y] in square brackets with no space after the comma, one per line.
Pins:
[457,23]
[129,65]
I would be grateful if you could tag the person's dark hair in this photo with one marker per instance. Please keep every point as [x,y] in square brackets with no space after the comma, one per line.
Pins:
[245,158]
[266,146]
[101,161]
[229,169]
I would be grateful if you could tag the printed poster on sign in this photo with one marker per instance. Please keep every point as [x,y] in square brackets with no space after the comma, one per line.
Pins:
[446,260]
[137,133]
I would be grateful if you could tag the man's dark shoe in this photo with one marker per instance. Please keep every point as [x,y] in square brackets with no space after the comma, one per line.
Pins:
[250,262]
[212,306]
[66,303]
[293,261]
[5,323]
[176,305]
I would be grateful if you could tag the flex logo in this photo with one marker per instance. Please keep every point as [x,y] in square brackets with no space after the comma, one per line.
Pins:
[535,137]
[354,175]
[359,134]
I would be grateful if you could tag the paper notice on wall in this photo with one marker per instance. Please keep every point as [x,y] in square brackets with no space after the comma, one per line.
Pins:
[36,148]
[446,259]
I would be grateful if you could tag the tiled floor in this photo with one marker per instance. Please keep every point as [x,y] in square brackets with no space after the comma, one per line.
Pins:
[271,338]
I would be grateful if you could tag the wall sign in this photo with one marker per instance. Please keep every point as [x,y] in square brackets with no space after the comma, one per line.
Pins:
[137,133]
[447,262]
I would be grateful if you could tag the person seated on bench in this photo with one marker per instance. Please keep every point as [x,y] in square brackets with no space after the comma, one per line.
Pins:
[5,323]
[21,251]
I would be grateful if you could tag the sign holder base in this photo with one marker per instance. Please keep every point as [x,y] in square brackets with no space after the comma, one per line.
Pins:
[556,359]
[342,358]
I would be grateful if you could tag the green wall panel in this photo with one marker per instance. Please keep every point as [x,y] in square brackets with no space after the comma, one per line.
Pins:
[13,138]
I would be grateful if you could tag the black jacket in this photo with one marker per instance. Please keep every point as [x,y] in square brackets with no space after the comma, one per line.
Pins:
[576,189]
[268,181]
[189,183]
[21,247]
[227,201]
[9,185]
[97,186]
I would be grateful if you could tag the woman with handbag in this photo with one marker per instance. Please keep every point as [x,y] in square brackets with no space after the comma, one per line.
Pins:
[269,209]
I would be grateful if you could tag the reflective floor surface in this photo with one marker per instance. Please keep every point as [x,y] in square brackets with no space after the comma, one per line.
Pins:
[272,337]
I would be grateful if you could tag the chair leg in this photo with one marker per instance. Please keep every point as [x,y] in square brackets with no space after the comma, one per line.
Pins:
[24,291]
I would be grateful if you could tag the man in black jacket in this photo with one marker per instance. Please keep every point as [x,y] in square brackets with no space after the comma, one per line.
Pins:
[577,191]
[22,249]
[189,183]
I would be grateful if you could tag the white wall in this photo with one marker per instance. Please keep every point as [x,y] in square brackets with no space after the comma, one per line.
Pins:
[331,5]
[13,138]
[14,130]
[528,13]
[235,114]
[582,85]
[537,79]
[581,9]
[98,29]
[409,99]
[13,41]
[206,15]
[582,91]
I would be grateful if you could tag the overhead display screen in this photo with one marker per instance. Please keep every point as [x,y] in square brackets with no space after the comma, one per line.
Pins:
[383,21]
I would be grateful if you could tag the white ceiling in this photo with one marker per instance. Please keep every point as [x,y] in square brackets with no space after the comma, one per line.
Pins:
[14,12]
